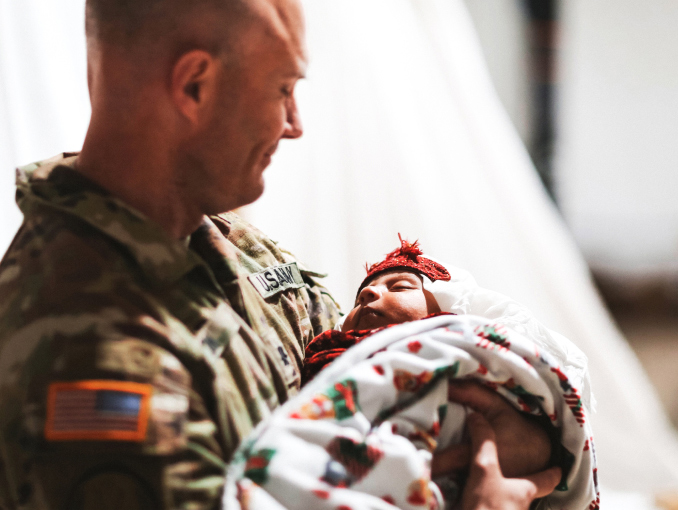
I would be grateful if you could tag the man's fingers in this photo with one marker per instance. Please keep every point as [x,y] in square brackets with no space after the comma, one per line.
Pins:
[483,448]
[479,429]
[475,396]
[545,481]
[483,441]
[450,459]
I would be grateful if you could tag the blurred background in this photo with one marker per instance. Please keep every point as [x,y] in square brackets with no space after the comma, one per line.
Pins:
[592,89]
[532,142]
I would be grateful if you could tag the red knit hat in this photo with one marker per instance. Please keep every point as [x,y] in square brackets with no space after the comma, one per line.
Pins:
[408,255]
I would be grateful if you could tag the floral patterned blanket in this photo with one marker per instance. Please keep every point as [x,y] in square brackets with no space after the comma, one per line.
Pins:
[362,433]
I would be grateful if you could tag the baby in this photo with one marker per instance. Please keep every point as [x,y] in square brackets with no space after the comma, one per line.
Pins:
[405,287]
[385,424]
[392,293]
[391,296]
[408,286]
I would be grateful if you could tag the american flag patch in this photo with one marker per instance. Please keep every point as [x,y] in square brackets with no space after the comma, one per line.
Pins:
[97,411]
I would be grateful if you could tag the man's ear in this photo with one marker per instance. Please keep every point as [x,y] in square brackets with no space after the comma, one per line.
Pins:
[193,85]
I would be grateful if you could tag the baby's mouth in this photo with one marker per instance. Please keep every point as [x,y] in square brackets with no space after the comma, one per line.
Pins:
[367,315]
[368,311]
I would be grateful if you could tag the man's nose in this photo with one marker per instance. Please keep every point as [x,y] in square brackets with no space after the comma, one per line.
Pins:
[293,127]
[368,295]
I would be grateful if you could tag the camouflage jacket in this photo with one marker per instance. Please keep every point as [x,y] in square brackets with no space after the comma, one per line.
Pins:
[281,298]
[131,365]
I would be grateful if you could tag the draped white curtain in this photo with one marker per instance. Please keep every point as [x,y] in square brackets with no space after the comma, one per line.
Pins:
[403,133]
[43,90]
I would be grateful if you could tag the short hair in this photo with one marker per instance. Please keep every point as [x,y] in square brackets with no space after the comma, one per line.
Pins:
[148,24]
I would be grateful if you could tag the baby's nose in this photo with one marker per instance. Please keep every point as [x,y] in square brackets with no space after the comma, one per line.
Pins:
[368,295]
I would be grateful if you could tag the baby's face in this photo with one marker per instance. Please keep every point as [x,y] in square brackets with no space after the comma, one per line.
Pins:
[392,297]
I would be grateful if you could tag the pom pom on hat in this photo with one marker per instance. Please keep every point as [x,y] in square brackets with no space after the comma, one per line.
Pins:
[409,255]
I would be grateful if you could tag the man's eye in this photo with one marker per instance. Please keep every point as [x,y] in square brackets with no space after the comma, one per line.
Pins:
[402,286]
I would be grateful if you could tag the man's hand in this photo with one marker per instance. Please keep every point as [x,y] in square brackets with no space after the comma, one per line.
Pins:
[524,447]
[486,487]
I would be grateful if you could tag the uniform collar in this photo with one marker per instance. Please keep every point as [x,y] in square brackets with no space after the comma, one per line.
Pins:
[55,183]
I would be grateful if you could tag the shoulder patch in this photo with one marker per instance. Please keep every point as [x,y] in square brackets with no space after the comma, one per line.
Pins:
[276,279]
[97,411]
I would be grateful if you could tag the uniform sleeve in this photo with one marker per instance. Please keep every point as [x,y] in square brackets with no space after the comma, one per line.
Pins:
[121,420]
[324,312]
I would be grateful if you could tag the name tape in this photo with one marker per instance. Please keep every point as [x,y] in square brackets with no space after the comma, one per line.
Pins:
[276,279]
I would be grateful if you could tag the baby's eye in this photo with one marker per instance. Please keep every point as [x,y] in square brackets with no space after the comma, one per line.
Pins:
[403,286]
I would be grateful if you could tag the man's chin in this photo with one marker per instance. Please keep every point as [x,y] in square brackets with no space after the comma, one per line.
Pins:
[251,194]
[246,197]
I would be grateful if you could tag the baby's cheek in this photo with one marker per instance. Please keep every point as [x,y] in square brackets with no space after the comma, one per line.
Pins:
[432,305]
[349,322]
[413,308]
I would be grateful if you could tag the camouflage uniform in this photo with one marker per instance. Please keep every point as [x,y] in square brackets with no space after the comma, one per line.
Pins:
[294,318]
[126,377]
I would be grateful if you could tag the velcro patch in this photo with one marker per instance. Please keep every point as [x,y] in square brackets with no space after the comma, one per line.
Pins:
[97,411]
[276,279]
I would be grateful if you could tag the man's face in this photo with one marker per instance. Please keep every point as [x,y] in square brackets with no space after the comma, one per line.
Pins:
[257,109]
[392,297]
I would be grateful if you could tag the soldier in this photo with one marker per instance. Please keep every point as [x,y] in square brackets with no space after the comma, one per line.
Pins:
[141,338]
[127,375]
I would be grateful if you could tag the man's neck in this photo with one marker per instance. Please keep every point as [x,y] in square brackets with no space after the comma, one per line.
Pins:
[140,173]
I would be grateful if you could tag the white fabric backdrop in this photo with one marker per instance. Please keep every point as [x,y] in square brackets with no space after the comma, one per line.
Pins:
[43,90]
[404,133]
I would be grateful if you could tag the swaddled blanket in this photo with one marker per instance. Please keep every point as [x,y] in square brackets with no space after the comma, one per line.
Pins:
[362,433]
